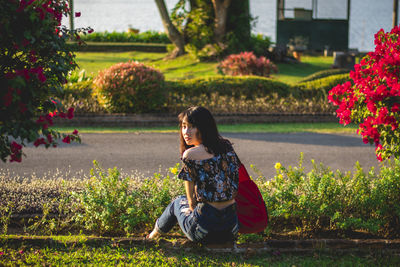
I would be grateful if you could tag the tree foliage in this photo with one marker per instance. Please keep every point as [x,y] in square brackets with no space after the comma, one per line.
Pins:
[34,62]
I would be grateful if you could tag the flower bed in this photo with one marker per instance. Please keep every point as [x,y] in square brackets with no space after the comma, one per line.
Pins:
[109,203]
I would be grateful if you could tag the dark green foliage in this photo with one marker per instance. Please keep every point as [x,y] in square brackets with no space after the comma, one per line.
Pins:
[247,86]
[79,95]
[225,94]
[322,74]
[260,44]
[321,87]
[113,204]
[144,37]
[324,200]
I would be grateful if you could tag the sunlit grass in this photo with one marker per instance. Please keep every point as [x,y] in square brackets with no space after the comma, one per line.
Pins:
[186,67]
[136,255]
[329,127]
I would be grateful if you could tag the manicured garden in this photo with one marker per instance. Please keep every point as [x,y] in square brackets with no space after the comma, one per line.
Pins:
[40,81]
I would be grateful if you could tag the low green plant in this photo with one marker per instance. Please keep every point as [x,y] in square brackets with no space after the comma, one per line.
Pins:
[80,96]
[322,74]
[260,44]
[325,200]
[78,76]
[112,205]
[320,87]
[5,216]
[222,94]
[247,86]
[143,37]
[130,87]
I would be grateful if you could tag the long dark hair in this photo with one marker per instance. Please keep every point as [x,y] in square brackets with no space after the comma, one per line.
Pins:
[202,119]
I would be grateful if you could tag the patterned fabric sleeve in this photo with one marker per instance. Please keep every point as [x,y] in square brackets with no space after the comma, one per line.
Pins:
[187,172]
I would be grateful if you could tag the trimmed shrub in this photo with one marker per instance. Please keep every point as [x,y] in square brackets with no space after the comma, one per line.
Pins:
[79,95]
[130,87]
[224,94]
[144,37]
[249,87]
[321,87]
[322,74]
[260,44]
[246,63]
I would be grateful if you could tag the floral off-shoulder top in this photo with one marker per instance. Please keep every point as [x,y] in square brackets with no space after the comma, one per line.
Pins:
[215,179]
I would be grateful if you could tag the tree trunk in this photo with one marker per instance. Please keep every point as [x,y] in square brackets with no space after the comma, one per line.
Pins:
[221,12]
[173,34]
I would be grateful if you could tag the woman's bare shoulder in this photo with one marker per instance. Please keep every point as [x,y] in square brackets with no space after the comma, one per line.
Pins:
[196,153]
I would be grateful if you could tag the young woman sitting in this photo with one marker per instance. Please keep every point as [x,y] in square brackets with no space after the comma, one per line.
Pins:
[207,213]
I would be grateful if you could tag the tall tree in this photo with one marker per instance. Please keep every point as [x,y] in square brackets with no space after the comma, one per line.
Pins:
[221,13]
[173,34]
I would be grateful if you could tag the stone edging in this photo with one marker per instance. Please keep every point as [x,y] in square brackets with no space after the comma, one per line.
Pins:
[275,246]
[143,120]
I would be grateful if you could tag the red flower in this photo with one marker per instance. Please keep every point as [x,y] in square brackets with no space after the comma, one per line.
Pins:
[77,14]
[67,139]
[90,31]
[50,138]
[39,141]
[8,97]
[15,152]
[22,108]
[395,108]
[70,113]
[75,132]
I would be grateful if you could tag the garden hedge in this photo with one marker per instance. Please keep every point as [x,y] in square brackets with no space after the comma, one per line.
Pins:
[246,90]
[320,87]
[248,86]
[322,74]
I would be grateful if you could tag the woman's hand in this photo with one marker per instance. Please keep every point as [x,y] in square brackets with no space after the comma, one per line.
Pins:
[192,204]
[189,188]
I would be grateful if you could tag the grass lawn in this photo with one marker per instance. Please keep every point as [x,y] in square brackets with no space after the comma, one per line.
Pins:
[82,253]
[186,67]
[235,128]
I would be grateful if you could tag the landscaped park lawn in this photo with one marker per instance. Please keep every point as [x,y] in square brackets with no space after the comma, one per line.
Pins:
[327,127]
[186,67]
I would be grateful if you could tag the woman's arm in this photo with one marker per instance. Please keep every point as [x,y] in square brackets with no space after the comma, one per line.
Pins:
[189,187]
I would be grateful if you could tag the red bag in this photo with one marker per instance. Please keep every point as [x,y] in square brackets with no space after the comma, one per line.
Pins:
[251,210]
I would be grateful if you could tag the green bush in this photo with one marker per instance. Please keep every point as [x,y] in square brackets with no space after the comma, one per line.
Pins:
[79,95]
[144,37]
[321,87]
[130,87]
[325,200]
[115,204]
[322,74]
[112,205]
[260,44]
[247,86]
[222,94]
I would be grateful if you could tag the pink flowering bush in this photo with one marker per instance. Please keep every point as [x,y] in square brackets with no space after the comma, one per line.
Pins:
[34,62]
[372,98]
[246,63]
[130,87]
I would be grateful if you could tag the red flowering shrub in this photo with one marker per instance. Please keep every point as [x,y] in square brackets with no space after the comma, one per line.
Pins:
[246,63]
[34,62]
[130,87]
[372,98]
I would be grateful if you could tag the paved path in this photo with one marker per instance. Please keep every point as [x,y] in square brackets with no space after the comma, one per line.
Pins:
[151,152]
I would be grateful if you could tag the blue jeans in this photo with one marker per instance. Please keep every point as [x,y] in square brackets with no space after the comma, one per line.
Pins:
[204,224]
